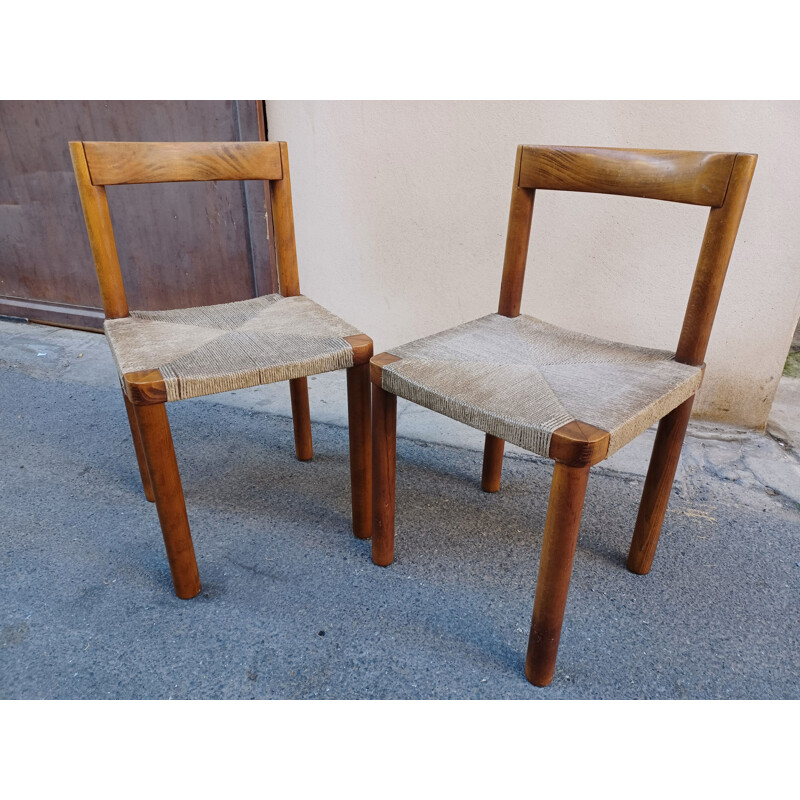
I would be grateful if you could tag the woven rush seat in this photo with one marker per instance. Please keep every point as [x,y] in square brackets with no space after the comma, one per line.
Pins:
[520,379]
[209,349]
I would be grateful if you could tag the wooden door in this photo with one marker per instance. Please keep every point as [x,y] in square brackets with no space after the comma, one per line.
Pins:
[179,245]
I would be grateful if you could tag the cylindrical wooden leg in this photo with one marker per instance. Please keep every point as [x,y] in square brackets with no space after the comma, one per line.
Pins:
[492,463]
[166,481]
[301,417]
[555,569]
[384,444]
[137,446]
[657,487]
[360,425]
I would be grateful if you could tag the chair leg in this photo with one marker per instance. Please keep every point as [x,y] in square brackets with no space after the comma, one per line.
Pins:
[657,487]
[163,467]
[301,417]
[384,444]
[137,446]
[492,463]
[555,569]
[360,426]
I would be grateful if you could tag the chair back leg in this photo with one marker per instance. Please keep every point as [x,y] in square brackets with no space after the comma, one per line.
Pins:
[555,569]
[657,487]
[360,427]
[492,463]
[166,481]
[301,418]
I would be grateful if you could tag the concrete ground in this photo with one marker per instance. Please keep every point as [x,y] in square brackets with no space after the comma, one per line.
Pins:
[292,606]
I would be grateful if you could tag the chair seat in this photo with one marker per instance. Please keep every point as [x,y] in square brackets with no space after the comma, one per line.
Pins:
[520,379]
[210,349]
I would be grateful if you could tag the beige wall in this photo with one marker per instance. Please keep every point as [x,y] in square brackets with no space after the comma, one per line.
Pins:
[401,212]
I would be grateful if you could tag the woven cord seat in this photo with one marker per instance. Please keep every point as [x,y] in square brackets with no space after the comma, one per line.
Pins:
[520,379]
[217,348]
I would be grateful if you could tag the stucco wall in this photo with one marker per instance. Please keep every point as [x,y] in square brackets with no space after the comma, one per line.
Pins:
[401,212]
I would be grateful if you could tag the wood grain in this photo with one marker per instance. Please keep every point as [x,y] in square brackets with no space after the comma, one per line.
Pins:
[567,493]
[163,468]
[179,245]
[360,430]
[145,388]
[141,460]
[165,162]
[61,314]
[517,239]
[579,444]
[283,221]
[101,236]
[492,463]
[677,176]
[362,348]
[377,363]
[384,449]
[658,486]
[301,419]
[712,265]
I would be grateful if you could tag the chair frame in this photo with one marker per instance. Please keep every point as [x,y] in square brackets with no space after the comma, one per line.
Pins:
[101,164]
[718,180]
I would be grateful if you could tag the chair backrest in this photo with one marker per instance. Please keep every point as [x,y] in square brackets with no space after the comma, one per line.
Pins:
[101,164]
[718,180]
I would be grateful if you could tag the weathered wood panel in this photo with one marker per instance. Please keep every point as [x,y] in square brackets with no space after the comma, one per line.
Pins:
[179,245]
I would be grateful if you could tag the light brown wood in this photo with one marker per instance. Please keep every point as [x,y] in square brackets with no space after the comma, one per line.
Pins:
[677,176]
[362,348]
[567,493]
[712,265]
[658,486]
[360,428]
[112,163]
[517,239]
[101,236]
[384,444]
[384,449]
[283,220]
[144,472]
[377,363]
[163,468]
[579,444]
[145,388]
[492,463]
[301,419]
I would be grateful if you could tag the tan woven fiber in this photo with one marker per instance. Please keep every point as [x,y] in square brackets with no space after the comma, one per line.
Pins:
[520,379]
[211,349]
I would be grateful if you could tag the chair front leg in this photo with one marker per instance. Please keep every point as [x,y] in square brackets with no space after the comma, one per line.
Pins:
[360,427]
[657,487]
[492,463]
[166,481]
[384,449]
[555,568]
[301,418]
[144,472]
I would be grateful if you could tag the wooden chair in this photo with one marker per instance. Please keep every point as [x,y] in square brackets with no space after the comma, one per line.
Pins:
[165,356]
[573,398]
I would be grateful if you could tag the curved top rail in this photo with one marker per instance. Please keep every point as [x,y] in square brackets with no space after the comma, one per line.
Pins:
[113,163]
[676,175]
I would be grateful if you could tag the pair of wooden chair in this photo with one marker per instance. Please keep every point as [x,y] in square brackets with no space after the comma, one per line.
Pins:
[570,397]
